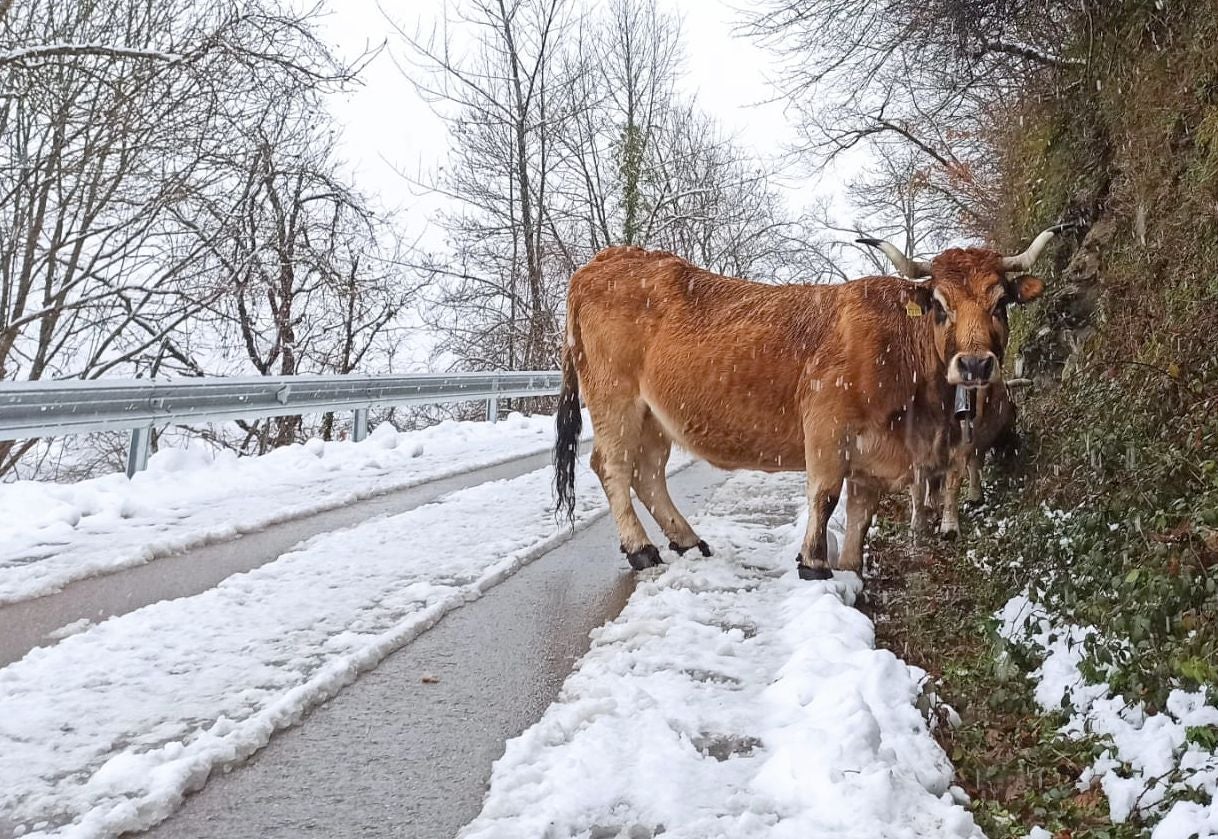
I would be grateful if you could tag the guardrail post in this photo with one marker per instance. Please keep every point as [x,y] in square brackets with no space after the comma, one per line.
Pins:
[492,405]
[137,452]
[359,428]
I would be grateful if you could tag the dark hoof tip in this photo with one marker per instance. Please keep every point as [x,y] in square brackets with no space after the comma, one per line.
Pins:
[950,535]
[807,572]
[701,546]
[645,558]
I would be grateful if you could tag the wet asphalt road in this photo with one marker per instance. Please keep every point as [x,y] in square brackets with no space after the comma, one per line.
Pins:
[26,625]
[391,756]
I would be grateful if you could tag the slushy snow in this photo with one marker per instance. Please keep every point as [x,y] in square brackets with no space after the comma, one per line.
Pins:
[731,699]
[54,534]
[106,730]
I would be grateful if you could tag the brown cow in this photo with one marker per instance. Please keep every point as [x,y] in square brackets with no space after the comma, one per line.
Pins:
[851,380]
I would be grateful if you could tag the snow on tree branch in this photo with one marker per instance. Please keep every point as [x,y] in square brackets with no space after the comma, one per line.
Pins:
[1027,52]
[57,51]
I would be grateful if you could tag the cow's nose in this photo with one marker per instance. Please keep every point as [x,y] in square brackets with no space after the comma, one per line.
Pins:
[977,369]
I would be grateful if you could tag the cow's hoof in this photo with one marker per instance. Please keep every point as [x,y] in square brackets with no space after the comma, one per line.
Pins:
[949,534]
[808,572]
[646,557]
[701,546]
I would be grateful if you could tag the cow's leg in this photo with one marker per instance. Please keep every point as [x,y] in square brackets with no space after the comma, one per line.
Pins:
[974,479]
[862,500]
[919,508]
[651,485]
[934,494]
[614,454]
[826,472]
[950,526]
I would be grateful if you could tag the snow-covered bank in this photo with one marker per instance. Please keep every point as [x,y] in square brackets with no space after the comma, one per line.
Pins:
[53,534]
[731,699]
[106,730]
[1151,757]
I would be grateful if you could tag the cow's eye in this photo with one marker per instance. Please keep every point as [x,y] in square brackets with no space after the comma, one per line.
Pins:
[942,312]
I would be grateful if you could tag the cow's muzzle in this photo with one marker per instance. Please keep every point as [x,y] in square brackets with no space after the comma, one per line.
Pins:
[972,369]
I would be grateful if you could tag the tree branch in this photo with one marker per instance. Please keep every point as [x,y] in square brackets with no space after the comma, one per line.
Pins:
[50,51]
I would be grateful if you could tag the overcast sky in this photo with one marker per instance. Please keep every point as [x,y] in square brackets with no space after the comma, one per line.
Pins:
[389,130]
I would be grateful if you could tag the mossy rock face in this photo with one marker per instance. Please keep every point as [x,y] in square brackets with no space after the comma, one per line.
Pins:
[1127,141]
[1121,431]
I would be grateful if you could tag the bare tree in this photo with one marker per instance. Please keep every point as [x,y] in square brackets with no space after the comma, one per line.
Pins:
[898,200]
[302,280]
[928,74]
[505,106]
[637,64]
[115,120]
[643,166]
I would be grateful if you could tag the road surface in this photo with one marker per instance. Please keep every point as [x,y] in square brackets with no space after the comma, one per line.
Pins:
[395,756]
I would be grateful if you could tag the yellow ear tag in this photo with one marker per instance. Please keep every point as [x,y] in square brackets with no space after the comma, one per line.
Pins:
[913,309]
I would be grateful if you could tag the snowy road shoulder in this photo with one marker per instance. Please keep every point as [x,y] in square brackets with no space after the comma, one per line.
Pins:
[52,534]
[106,730]
[731,699]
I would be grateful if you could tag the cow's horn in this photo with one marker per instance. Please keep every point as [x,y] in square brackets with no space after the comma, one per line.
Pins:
[1027,259]
[911,268]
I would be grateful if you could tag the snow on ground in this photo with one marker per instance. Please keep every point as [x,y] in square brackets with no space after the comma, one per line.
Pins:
[731,699]
[1151,756]
[53,534]
[107,729]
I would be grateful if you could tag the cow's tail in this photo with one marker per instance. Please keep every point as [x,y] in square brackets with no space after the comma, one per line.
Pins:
[570,424]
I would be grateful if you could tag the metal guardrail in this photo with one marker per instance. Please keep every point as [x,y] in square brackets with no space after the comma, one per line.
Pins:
[64,408]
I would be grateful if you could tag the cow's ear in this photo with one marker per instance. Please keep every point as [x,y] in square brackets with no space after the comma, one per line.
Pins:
[1028,288]
[917,299]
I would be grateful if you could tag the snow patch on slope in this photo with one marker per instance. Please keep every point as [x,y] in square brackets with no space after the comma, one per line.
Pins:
[1150,756]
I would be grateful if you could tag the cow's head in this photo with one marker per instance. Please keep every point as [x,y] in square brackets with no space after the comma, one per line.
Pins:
[966,291]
